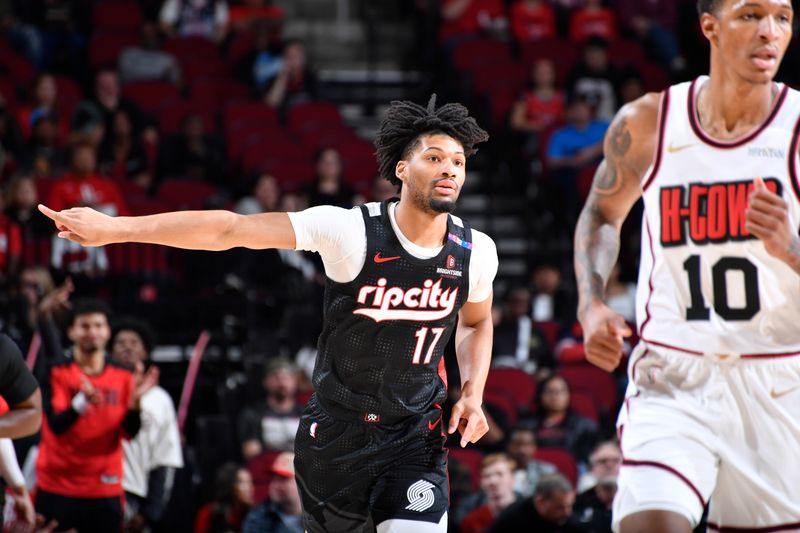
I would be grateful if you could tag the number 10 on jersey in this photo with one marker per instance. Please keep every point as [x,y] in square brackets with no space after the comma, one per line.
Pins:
[422,335]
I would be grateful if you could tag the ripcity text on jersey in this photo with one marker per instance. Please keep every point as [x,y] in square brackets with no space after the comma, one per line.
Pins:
[380,351]
[705,284]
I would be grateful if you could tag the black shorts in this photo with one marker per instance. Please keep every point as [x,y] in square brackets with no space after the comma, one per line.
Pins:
[353,475]
[86,515]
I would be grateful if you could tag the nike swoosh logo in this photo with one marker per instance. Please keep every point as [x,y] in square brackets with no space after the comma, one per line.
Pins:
[775,394]
[379,259]
[432,425]
[675,149]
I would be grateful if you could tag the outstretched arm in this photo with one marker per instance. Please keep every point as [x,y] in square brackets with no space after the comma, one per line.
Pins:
[195,230]
[628,148]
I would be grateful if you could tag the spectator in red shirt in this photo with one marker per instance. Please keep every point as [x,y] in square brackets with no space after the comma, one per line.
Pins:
[532,20]
[10,247]
[592,20]
[497,482]
[540,107]
[84,187]
[468,18]
[91,404]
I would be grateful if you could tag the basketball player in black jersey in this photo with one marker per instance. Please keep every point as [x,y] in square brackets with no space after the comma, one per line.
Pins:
[402,276]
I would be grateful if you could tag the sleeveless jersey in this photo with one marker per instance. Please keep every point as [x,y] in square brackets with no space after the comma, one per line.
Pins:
[381,347]
[705,284]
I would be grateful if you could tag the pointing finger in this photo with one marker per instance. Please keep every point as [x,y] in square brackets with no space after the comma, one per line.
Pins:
[49,213]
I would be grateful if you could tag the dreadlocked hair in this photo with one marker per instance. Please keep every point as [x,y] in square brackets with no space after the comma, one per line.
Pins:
[406,121]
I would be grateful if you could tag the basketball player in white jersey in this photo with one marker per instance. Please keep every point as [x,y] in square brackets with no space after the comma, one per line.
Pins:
[712,412]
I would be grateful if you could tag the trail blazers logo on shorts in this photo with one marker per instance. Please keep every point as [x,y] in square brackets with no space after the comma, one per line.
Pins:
[420,496]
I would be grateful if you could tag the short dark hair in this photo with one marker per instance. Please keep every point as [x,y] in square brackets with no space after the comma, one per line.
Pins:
[87,306]
[708,6]
[406,122]
[139,327]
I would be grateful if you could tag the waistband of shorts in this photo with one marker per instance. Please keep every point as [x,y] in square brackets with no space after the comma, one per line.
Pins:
[337,410]
[719,356]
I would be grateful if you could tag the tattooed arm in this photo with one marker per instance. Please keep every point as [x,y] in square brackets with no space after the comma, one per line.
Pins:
[629,148]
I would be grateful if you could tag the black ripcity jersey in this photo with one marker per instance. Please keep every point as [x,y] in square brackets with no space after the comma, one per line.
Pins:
[380,351]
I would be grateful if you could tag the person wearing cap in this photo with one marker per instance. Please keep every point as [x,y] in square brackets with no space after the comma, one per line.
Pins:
[281,513]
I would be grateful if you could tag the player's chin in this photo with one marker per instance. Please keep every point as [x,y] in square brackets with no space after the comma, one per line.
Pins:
[442,205]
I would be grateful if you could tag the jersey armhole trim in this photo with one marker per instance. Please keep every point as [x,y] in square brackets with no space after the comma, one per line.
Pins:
[793,147]
[662,126]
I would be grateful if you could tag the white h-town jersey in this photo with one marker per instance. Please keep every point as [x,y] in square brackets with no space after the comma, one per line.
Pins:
[705,284]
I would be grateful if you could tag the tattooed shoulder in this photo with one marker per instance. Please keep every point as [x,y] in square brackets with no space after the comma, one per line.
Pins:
[619,140]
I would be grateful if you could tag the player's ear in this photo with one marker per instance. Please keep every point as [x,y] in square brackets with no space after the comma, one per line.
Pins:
[709,25]
[401,170]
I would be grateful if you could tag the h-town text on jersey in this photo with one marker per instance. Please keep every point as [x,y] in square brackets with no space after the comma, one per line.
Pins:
[421,304]
[711,212]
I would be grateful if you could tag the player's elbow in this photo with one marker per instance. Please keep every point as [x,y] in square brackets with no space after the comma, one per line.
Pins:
[226,236]
[30,415]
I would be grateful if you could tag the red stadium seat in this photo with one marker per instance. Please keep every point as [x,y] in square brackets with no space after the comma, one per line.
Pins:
[624,52]
[562,460]
[217,92]
[8,90]
[514,383]
[469,457]
[584,404]
[487,78]
[104,48]
[258,154]
[323,136]
[561,52]
[241,112]
[290,174]
[16,67]
[184,48]
[244,135]
[117,15]
[590,379]
[469,54]
[314,114]
[185,194]
[501,100]
[151,96]
[360,174]
[241,45]
[194,70]
[170,118]
[69,93]
[655,78]
[505,404]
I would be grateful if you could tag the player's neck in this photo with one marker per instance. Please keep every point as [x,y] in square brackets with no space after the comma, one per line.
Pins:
[420,227]
[728,109]
[91,363]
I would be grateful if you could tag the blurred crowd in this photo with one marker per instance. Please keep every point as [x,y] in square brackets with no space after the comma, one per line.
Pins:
[139,106]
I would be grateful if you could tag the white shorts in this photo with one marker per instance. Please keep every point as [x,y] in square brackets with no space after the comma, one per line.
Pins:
[717,428]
